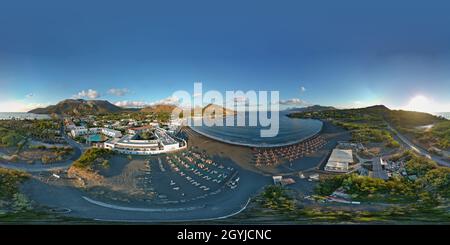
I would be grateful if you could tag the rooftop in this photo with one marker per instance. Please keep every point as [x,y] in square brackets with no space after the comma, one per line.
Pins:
[342,156]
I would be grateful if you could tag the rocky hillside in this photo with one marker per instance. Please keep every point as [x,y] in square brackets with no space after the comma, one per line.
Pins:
[77,107]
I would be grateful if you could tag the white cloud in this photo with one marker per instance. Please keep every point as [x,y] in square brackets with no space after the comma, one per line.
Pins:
[172,100]
[90,94]
[294,102]
[118,91]
[131,104]
[30,95]
[426,104]
[302,89]
[140,104]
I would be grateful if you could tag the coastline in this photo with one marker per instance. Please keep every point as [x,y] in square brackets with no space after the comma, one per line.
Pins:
[258,145]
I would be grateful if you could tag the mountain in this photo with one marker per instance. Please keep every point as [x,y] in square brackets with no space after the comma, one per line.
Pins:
[412,118]
[159,109]
[77,107]
[311,109]
[402,118]
[213,108]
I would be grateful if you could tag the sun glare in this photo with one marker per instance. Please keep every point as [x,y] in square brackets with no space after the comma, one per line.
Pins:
[421,103]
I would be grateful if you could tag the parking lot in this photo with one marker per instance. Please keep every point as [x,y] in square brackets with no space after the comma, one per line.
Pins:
[186,176]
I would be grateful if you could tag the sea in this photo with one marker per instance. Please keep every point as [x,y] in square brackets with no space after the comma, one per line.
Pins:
[445,114]
[291,131]
[22,116]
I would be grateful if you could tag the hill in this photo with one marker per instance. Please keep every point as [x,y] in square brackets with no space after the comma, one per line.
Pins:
[311,109]
[373,114]
[370,124]
[212,109]
[77,107]
[168,109]
[159,109]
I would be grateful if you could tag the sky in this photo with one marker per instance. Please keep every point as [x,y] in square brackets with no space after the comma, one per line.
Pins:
[134,53]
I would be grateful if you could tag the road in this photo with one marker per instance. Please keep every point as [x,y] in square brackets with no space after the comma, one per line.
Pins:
[55,194]
[418,149]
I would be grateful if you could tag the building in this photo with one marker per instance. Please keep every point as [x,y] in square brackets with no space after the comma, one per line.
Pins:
[139,130]
[130,144]
[111,132]
[277,179]
[79,131]
[339,161]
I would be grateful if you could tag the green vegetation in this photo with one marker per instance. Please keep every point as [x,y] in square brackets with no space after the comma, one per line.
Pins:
[92,157]
[14,133]
[365,188]
[80,139]
[275,204]
[441,131]
[430,188]
[11,139]
[147,135]
[367,125]
[10,197]
[438,136]
[105,164]
[366,135]
[163,117]
[409,214]
[370,124]
[275,197]
[410,119]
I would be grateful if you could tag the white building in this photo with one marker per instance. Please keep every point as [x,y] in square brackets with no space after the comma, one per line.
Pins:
[339,161]
[277,179]
[79,131]
[129,144]
[111,132]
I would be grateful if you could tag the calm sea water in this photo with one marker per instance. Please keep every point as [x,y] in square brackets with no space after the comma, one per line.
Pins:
[22,115]
[291,131]
[445,114]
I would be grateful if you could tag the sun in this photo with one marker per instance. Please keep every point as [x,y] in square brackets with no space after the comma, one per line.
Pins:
[420,103]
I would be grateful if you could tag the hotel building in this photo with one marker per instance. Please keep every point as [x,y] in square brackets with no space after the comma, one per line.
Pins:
[79,131]
[130,144]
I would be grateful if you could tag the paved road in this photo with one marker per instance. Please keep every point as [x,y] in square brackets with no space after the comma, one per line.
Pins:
[55,194]
[78,150]
[418,149]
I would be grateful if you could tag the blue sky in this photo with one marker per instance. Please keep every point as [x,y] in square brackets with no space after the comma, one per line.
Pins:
[342,53]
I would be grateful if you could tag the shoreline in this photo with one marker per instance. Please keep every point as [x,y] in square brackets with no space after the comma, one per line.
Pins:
[256,145]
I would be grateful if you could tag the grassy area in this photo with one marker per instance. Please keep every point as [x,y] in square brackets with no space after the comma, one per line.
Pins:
[277,204]
[367,125]
[438,136]
[275,197]
[430,188]
[92,157]
[10,197]
[13,131]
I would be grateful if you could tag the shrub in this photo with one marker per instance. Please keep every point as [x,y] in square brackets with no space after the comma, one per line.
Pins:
[87,160]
